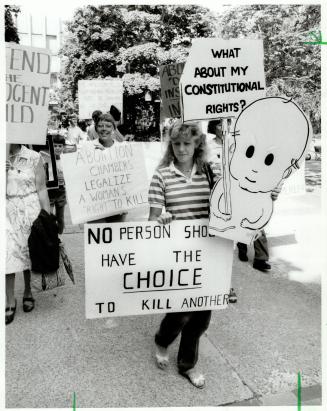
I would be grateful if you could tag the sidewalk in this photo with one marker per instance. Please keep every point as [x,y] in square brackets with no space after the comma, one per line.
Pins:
[251,353]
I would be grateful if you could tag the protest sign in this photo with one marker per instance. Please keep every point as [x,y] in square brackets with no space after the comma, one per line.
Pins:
[100,183]
[146,268]
[27,93]
[270,140]
[169,81]
[221,77]
[295,184]
[99,95]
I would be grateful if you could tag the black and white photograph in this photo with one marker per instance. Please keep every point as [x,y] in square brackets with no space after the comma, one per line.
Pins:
[163,204]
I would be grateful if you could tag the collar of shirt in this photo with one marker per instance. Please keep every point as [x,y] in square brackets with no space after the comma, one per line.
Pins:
[174,169]
[22,153]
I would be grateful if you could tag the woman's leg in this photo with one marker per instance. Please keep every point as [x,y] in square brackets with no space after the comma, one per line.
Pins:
[10,290]
[10,297]
[189,346]
[170,327]
[28,300]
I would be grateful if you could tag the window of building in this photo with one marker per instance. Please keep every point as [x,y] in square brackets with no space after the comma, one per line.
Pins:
[37,40]
[52,43]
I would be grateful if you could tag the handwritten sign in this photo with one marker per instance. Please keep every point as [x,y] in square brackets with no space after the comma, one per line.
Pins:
[146,268]
[100,183]
[99,95]
[27,93]
[221,77]
[240,202]
[169,81]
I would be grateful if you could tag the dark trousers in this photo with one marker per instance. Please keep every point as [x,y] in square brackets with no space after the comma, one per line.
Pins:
[260,247]
[191,325]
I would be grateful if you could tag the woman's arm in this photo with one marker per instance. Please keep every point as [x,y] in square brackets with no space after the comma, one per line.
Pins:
[41,187]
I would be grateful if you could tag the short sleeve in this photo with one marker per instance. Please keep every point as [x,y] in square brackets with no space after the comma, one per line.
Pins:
[156,195]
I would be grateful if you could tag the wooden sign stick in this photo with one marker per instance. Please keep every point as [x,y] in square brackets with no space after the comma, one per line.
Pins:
[225,164]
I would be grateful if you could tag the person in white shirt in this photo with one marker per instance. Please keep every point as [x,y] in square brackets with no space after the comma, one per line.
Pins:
[91,133]
[75,135]
[105,128]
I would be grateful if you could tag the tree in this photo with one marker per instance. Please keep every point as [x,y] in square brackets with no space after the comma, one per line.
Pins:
[130,42]
[11,34]
[292,68]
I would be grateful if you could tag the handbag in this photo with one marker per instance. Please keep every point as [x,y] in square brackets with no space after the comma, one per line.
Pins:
[49,281]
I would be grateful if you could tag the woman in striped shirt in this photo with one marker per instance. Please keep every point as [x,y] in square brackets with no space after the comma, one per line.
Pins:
[181,186]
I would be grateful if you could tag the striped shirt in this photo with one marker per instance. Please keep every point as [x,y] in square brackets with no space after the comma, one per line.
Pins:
[183,198]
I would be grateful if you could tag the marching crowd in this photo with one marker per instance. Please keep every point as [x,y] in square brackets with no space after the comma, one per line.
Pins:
[183,170]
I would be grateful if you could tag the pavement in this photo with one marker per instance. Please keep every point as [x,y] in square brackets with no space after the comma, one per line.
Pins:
[251,354]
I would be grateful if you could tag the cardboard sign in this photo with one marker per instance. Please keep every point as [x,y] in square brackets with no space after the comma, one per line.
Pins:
[221,77]
[169,81]
[27,93]
[295,184]
[146,268]
[99,95]
[100,183]
[270,139]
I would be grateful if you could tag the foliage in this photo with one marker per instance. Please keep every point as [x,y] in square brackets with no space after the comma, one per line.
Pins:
[117,40]
[292,68]
[11,34]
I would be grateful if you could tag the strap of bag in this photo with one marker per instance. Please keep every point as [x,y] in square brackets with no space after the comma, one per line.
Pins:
[209,173]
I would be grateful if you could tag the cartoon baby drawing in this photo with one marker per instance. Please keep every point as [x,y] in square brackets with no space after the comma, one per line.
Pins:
[271,136]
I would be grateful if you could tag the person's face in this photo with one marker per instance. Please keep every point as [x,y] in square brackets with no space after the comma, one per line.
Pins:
[58,149]
[219,130]
[183,148]
[105,130]
[73,121]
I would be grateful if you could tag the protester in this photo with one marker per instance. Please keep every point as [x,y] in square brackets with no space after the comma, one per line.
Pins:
[57,196]
[105,128]
[75,135]
[26,196]
[116,114]
[179,174]
[261,253]
[91,133]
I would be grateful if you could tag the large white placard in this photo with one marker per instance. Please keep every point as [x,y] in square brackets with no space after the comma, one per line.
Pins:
[100,183]
[221,77]
[146,268]
[99,95]
[27,93]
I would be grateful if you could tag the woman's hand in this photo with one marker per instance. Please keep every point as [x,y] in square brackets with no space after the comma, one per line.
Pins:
[165,218]
[41,187]
[8,165]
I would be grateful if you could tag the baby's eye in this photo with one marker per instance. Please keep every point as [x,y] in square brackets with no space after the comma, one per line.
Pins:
[269,159]
[249,152]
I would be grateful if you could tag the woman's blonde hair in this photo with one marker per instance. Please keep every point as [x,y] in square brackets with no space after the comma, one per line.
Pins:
[189,131]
